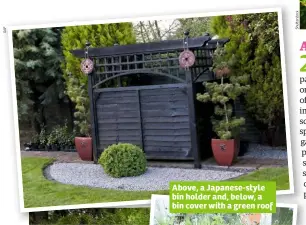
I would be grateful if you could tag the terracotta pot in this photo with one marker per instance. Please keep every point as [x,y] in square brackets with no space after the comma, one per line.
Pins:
[225,151]
[83,146]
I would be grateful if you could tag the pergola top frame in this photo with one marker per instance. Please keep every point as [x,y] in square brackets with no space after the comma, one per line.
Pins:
[205,42]
[151,58]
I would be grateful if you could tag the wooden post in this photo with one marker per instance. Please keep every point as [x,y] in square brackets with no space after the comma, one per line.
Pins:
[192,120]
[92,101]
[140,120]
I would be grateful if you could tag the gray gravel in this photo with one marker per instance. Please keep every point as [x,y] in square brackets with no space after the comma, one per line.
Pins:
[266,152]
[155,178]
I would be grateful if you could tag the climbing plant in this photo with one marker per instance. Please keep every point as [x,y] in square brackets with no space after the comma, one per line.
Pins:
[75,37]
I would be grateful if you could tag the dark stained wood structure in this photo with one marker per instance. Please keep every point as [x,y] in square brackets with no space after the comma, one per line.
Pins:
[140,95]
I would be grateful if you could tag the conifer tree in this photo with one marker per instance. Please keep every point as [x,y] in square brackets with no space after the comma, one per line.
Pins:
[239,49]
[222,93]
[39,82]
[75,37]
[254,47]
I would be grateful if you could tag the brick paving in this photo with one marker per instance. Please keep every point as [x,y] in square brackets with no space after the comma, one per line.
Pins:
[59,156]
[243,162]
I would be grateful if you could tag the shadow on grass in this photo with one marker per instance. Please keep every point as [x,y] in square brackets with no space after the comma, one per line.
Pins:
[40,192]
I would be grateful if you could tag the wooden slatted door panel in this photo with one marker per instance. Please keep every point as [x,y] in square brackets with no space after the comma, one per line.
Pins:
[118,118]
[165,122]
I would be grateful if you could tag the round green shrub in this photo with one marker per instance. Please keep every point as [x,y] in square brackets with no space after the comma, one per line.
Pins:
[123,160]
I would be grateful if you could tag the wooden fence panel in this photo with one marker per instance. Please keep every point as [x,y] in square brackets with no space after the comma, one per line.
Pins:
[156,119]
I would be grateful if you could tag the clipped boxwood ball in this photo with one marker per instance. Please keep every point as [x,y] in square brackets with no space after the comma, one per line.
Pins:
[123,160]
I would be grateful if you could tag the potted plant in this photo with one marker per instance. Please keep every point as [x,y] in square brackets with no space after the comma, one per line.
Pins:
[83,142]
[225,145]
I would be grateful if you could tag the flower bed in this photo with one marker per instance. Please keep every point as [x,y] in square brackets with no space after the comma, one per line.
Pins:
[71,149]
[59,139]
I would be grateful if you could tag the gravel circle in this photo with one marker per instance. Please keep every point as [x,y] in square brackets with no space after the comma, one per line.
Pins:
[266,152]
[92,175]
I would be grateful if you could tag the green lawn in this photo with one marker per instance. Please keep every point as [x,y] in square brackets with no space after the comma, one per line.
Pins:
[280,175]
[40,192]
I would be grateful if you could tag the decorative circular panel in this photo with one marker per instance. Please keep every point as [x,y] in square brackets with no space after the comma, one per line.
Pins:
[87,66]
[186,59]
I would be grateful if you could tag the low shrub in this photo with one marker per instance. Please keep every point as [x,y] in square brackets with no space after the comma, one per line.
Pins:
[43,139]
[52,138]
[110,216]
[123,160]
[59,138]
[73,219]
[125,216]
